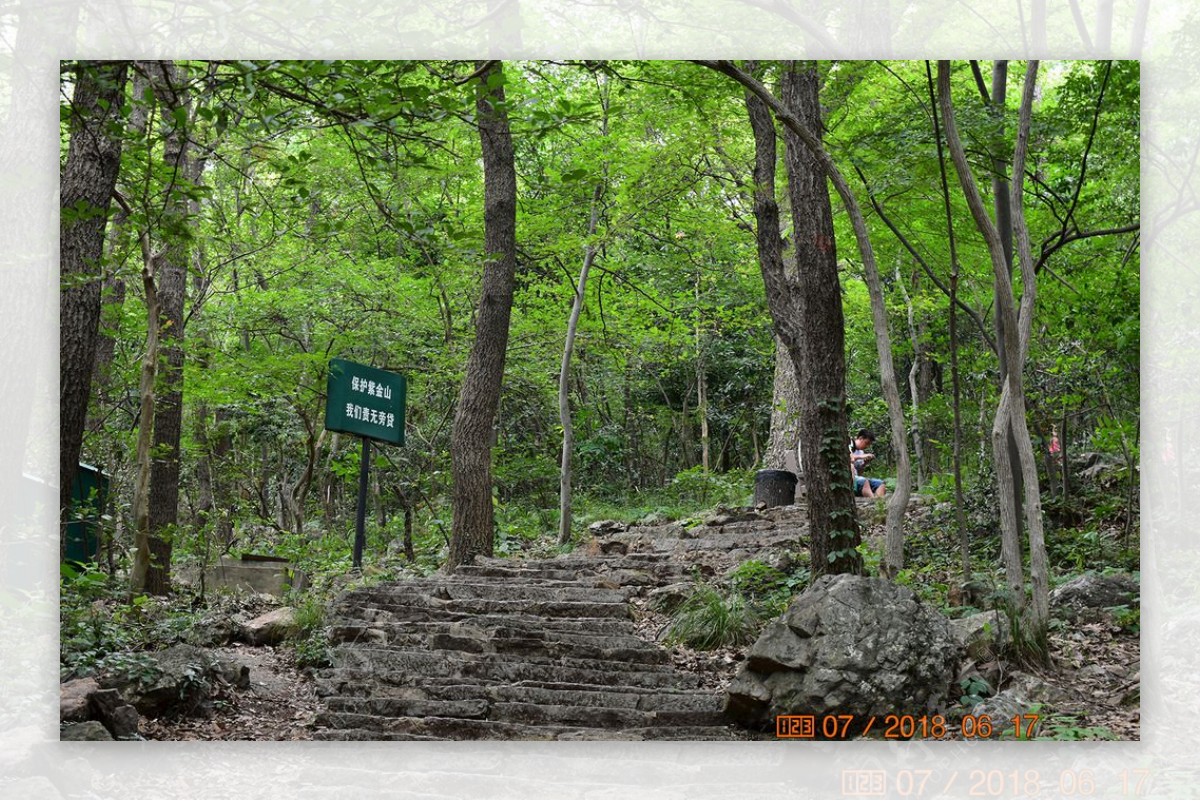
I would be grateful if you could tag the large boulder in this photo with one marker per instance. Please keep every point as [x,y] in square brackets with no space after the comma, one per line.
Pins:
[848,645]
[183,679]
[73,699]
[272,628]
[1089,594]
[120,718]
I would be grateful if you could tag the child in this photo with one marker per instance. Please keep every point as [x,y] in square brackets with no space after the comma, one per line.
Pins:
[859,459]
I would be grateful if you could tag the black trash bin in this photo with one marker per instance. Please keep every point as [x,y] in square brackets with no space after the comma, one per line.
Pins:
[774,488]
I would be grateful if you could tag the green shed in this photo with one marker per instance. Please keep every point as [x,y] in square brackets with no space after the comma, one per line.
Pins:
[89,495]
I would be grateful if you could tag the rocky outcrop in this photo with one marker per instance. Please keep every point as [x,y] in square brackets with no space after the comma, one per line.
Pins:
[848,645]
[1088,595]
[182,680]
[91,730]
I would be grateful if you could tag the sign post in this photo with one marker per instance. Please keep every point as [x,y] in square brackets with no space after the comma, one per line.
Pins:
[370,403]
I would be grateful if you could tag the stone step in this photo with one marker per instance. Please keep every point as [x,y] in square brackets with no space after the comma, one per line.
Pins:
[425,608]
[423,662]
[443,590]
[691,707]
[510,712]
[409,668]
[717,542]
[588,632]
[340,725]
[512,571]
[525,643]
[426,616]
[449,688]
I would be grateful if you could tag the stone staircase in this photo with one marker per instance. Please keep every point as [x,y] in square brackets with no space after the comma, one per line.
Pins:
[536,649]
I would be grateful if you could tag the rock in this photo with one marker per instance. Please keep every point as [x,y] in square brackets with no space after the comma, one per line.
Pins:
[606,528]
[1086,595]
[235,673]
[1023,693]
[88,730]
[272,628]
[982,634]
[724,517]
[847,645]
[183,680]
[73,699]
[120,718]
[211,632]
[667,599]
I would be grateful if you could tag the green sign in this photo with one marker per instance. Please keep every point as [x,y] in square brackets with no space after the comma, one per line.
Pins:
[365,401]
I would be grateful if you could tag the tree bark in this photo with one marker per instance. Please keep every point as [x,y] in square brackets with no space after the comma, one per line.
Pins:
[1002,206]
[1010,542]
[823,419]
[959,501]
[171,94]
[701,380]
[479,398]
[85,187]
[785,413]
[149,372]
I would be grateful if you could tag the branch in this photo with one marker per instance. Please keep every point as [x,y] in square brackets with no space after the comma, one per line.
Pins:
[974,315]
[1049,250]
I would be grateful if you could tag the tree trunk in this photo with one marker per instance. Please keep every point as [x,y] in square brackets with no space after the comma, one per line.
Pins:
[171,94]
[831,503]
[823,419]
[959,501]
[85,188]
[1002,206]
[1010,542]
[785,414]
[564,375]
[1010,415]
[914,391]
[701,382]
[479,398]
[141,492]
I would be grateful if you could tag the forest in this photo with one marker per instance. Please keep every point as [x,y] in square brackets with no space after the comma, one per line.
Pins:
[617,290]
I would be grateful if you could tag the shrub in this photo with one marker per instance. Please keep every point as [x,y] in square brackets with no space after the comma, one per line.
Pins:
[708,619]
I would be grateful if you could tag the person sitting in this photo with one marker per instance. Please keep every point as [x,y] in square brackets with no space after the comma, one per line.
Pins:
[860,457]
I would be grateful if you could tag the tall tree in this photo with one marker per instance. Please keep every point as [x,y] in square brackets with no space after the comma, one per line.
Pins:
[85,189]
[1017,331]
[564,376]
[832,522]
[898,505]
[170,90]
[479,397]
[824,426]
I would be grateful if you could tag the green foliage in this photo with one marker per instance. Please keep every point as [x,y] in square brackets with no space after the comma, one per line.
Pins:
[698,487]
[1063,726]
[767,589]
[974,690]
[311,645]
[709,618]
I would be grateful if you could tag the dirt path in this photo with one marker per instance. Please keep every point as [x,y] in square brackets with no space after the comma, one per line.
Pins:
[279,704]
